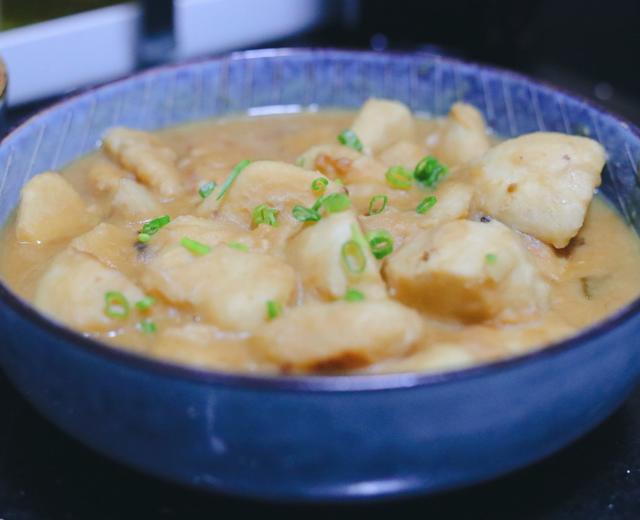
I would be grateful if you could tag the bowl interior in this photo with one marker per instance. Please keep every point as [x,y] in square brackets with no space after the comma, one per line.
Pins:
[286,80]
[273,81]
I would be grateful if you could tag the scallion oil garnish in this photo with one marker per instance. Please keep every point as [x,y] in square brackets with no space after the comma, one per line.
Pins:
[116,305]
[319,184]
[145,303]
[380,242]
[148,326]
[333,203]
[377,204]
[353,258]
[399,178]
[274,309]
[207,189]
[197,248]
[353,295]
[305,214]
[152,227]
[491,258]
[350,139]
[429,171]
[426,204]
[239,246]
[264,214]
[237,169]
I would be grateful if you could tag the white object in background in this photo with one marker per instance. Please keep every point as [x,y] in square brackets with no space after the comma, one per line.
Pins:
[204,26]
[53,57]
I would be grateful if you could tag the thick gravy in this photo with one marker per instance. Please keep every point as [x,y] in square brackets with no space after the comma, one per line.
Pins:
[325,254]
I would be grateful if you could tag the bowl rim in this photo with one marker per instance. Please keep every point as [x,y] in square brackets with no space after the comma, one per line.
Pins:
[313,382]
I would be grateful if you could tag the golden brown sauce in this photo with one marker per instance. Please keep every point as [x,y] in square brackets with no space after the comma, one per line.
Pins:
[596,275]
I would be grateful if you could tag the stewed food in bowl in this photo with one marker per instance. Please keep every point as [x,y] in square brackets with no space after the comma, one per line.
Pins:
[325,242]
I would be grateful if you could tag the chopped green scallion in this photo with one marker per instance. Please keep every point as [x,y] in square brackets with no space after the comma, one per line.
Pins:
[116,305]
[237,169]
[274,309]
[353,295]
[358,236]
[148,326]
[426,204]
[145,303]
[491,258]
[380,242]
[377,204]
[399,178]
[350,139]
[264,214]
[333,203]
[239,246]
[319,184]
[305,214]
[353,258]
[152,227]
[207,189]
[197,248]
[429,171]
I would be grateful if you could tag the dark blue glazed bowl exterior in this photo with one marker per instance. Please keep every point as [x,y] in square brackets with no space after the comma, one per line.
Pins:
[317,438]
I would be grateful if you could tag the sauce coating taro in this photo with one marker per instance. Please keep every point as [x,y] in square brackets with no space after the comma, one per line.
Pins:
[325,242]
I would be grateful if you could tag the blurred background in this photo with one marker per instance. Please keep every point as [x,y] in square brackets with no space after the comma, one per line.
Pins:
[52,47]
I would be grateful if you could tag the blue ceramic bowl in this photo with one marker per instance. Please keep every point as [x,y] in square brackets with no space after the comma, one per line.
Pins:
[317,438]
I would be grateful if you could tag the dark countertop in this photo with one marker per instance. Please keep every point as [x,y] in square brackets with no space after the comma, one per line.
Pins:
[46,475]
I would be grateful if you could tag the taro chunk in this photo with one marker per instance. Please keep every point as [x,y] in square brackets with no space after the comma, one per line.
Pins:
[332,160]
[204,346]
[227,287]
[104,176]
[152,162]
[403,153]
[339,335]
[206,231]
[540,183]
[470,271]
[111,245]
[453,200]
[381,123]
[50,209]
[316,255]
[341,162]
[463,136]
[134,202]
[436,357]
[73,291]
